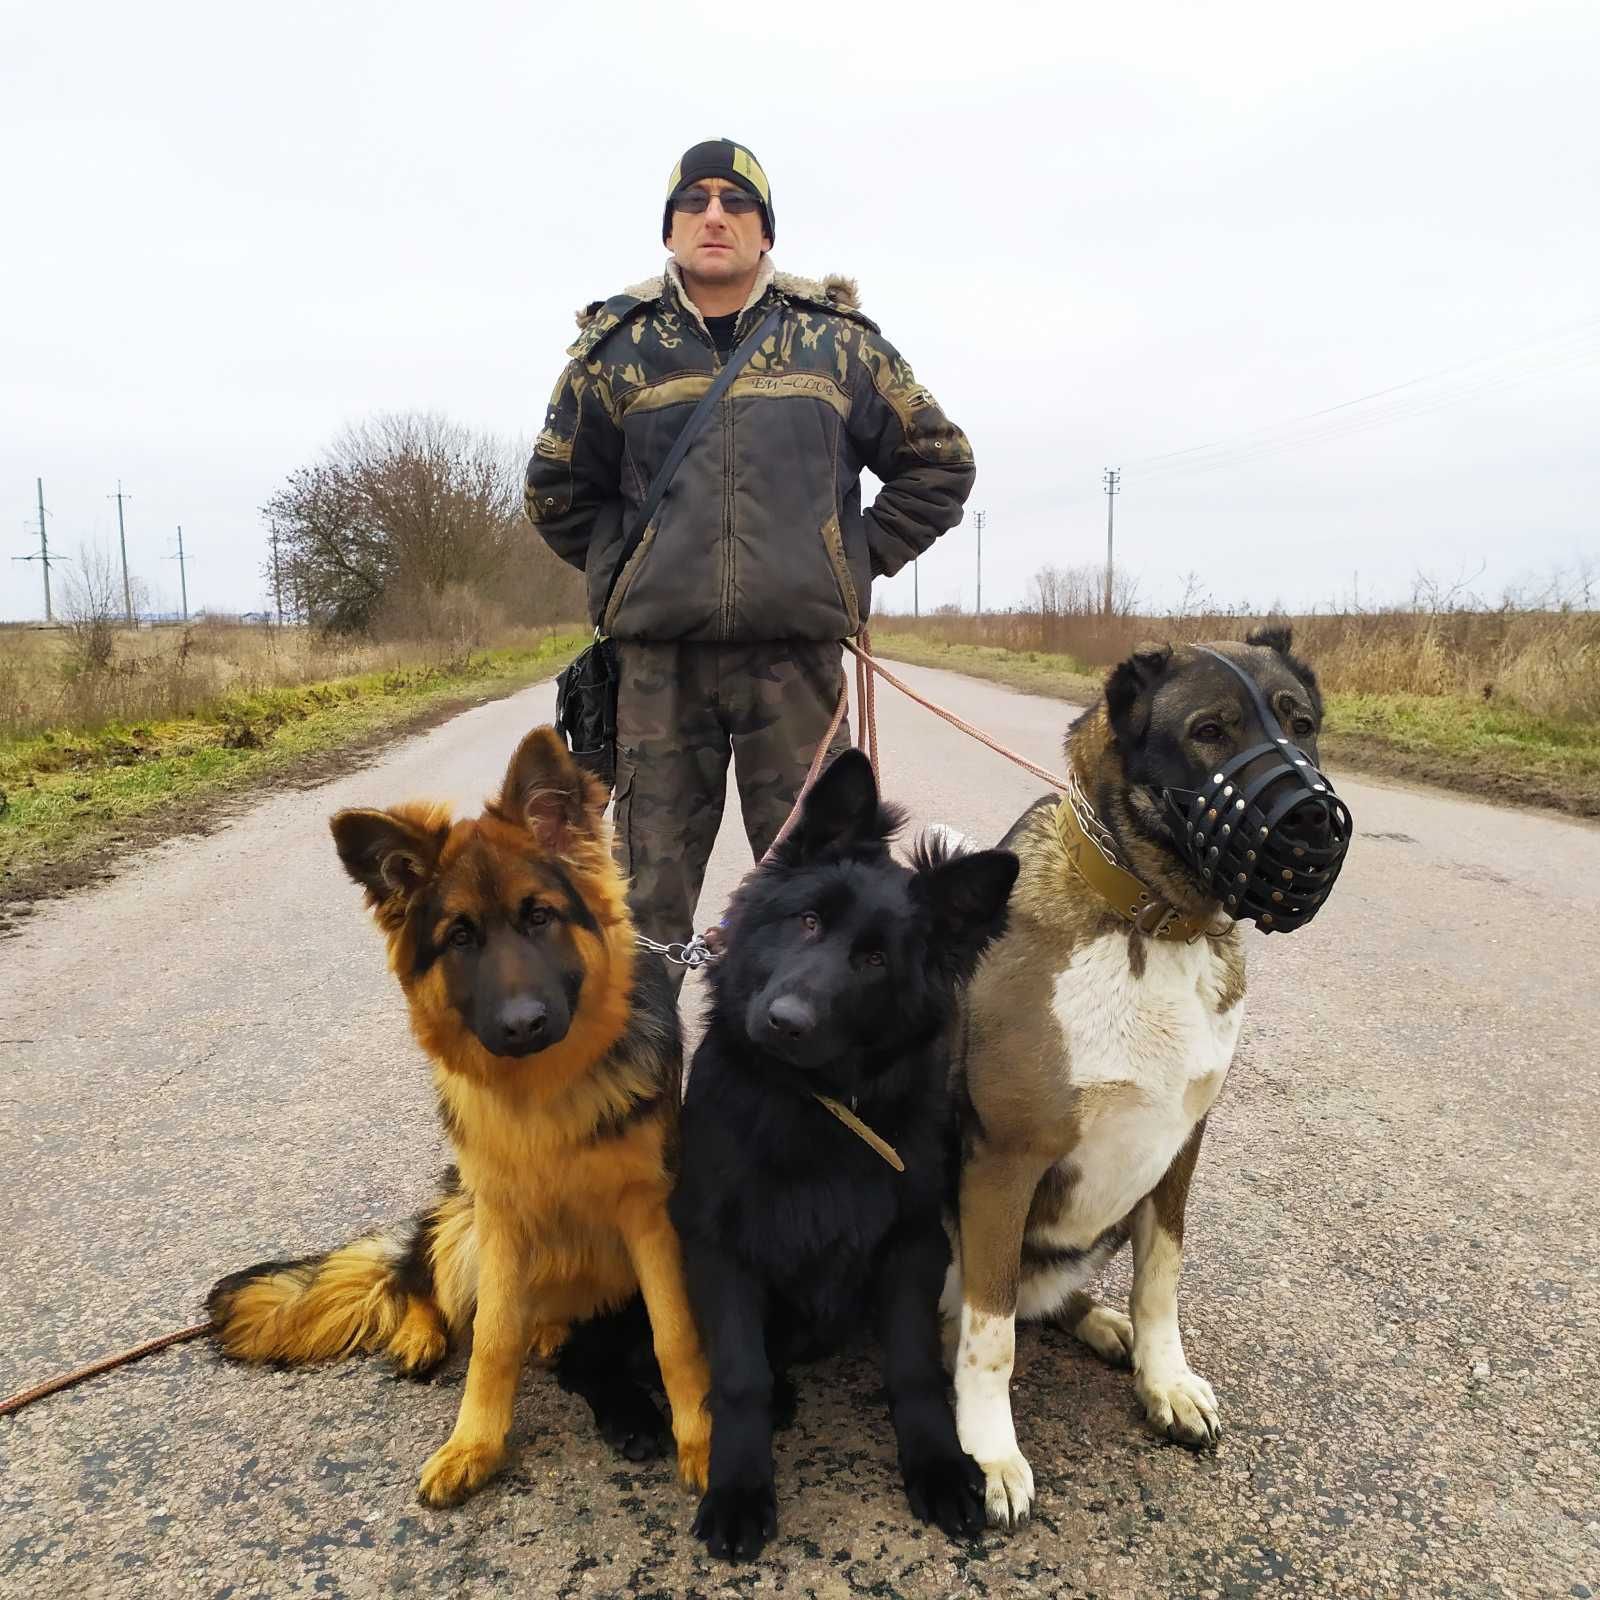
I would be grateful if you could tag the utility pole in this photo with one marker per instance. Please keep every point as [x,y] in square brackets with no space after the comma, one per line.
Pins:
[122,539]
[42,555]
[277,576]
[183,580]
[1113,483]
[980,517]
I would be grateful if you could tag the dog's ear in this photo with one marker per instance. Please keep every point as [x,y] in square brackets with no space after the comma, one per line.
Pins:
[967,897]
[1129,687]
[391,854]
[1279,636]
[1274,636]
[548,793]
[842,810]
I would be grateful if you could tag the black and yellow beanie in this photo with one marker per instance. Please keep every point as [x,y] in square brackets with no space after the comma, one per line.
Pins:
[720,158]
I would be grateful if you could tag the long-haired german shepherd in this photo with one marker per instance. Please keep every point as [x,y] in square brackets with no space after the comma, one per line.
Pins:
[819,1141]
[557,1062]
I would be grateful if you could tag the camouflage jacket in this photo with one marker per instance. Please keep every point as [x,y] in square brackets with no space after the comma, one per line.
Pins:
[762,535]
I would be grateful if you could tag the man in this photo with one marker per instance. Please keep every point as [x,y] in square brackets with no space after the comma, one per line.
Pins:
[760,558]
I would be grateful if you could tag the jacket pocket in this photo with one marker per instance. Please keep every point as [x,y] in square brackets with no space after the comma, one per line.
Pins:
[622,808]
[625,578]
[833,543]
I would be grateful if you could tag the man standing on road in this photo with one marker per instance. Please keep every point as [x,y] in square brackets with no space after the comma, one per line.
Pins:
[760,558]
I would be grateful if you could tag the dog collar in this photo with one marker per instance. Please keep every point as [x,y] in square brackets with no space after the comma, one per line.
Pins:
[1126,895]
[861,1130]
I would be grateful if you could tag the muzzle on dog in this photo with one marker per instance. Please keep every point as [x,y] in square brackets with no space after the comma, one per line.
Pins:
[1271,845]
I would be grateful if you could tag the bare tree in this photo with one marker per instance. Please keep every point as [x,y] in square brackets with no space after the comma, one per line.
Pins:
[412,525]
[91,601]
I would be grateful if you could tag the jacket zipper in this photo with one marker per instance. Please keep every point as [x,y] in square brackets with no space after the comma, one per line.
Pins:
[725,422]
[726,408]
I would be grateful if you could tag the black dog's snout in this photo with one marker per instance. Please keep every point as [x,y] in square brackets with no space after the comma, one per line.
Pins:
[1308,824]
[790,1018]
[522,1024]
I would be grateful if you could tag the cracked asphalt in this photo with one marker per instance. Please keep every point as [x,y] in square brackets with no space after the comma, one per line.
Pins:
[1392,1277]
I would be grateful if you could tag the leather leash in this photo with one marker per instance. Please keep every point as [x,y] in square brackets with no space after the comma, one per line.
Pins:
[861,1130]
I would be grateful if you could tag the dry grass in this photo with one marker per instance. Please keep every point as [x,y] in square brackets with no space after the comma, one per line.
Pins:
[1544,663]
[154,749]
[49,684]
[1502,703]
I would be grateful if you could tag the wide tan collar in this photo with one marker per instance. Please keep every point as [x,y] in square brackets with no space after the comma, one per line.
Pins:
[1127,895]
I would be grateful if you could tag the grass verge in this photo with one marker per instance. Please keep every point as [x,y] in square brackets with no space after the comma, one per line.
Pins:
[1493,751]
[68,798]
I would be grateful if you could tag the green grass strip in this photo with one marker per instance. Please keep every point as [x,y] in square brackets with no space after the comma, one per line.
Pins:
[66,792]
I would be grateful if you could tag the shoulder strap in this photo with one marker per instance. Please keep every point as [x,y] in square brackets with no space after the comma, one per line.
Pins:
[680,446]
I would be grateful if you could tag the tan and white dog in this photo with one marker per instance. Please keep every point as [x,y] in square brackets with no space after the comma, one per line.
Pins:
[1099,1032]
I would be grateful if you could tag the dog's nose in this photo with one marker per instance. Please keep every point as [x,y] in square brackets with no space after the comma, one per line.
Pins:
[791,1018]
[1308,824]
[522,1024]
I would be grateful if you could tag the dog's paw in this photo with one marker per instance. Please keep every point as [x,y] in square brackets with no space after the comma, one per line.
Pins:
[694,1458]
[1108,1333]
[456,1470]
[948,1492]
[546,1339]
[630,1422]
[736,1522]
[419,1344]
[1007,1490]
[1179,1403]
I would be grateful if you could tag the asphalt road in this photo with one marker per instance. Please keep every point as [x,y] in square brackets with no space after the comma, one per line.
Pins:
[1393,1275]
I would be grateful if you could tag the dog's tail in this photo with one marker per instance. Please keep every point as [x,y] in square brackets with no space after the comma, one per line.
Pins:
[403,1291]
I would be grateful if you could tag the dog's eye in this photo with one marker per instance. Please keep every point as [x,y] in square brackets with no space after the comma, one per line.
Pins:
[873,958]
[463,934]
[1210,732]
[810,921]
[535,915]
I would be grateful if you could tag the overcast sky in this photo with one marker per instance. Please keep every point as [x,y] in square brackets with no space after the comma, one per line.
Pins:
[1101,234]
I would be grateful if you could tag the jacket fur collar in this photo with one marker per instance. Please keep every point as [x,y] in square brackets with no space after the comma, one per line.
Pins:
[834,291]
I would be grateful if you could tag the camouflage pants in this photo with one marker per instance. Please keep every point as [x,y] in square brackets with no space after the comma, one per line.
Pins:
[681,710]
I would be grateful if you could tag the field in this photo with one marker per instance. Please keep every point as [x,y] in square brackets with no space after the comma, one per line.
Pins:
[110,738]
[100,751]
[1504,703]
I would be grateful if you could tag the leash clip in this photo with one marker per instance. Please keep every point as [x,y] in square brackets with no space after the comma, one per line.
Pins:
[692,953]
[1166,916]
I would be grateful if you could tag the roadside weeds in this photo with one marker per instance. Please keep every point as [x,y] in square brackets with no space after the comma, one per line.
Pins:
[1490,751]
[73,805]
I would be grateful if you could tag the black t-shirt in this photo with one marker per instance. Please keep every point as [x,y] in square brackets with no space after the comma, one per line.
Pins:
[721,331]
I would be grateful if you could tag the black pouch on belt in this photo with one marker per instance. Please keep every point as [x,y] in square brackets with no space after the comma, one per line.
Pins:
[586,692]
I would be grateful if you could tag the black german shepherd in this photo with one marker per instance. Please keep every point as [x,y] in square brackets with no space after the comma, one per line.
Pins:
[825,1062]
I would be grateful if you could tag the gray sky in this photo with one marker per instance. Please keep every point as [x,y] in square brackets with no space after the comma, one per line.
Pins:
[1101,234]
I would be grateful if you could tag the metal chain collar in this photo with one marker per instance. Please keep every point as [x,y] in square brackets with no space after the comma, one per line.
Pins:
[692,953]
[1095,831]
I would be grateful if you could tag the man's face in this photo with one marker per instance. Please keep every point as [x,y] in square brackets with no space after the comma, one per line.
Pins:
[713,246]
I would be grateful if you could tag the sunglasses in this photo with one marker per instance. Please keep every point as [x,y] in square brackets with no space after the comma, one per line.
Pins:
[734,202]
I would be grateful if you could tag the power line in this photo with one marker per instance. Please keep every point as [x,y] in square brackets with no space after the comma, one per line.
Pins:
[1572,347]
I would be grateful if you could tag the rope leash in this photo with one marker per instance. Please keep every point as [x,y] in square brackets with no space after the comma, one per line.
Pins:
[692,953]
[26,1397]
[702,948]
[866,660]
